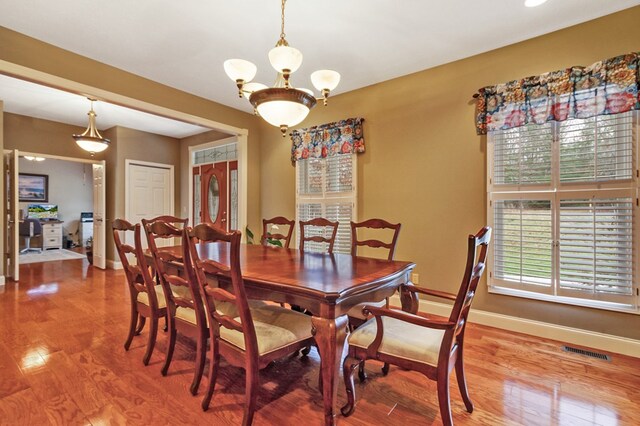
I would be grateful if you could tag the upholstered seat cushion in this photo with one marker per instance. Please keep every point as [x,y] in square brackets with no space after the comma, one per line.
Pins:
[144,297]
[225,308]
[401,339]
[356,311]
[276,327]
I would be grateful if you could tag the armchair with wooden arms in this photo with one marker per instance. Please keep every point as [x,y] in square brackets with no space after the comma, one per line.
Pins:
[431,347]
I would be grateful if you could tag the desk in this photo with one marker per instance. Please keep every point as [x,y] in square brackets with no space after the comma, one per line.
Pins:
[327,285]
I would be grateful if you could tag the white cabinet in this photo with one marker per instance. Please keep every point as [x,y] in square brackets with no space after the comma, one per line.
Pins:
[51,235]
[86,232]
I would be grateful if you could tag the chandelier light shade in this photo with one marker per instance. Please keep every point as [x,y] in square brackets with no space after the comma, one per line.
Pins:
[282,105]
[91,140]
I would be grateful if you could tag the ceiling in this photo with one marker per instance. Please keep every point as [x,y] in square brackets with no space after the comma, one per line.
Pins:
[183,44]
[33,100]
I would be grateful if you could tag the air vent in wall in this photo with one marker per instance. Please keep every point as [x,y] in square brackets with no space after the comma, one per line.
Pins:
[586,353]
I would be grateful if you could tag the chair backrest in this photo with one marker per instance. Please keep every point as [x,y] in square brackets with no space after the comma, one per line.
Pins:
[319,222]
[178,290]
[169,219]
[374,224]
[30,227]
[205,270]
[473,272]
[138,275]
[268,235]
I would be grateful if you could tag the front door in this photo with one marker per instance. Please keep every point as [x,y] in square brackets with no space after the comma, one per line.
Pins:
[213,183]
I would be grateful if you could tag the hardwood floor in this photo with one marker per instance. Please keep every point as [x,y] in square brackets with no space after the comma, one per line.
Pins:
[62,361]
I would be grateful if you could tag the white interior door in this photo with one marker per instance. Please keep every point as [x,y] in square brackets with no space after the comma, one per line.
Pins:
[99,195]
[149,193]
[12,242]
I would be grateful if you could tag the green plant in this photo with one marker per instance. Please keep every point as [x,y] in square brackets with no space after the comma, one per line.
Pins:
[270,241]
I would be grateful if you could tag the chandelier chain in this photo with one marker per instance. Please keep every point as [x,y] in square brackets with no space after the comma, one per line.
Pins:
[282,34]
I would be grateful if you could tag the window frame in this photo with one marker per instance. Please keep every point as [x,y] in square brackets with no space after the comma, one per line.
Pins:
[327,198]
[556,191]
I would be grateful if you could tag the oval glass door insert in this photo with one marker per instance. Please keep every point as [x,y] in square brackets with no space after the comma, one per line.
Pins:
[213,198]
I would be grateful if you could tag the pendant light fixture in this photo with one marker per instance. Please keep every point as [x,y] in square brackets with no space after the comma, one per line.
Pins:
[91,140]
[281,105]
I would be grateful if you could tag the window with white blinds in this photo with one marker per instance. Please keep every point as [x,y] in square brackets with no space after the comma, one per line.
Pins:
[327,188]
[563,203]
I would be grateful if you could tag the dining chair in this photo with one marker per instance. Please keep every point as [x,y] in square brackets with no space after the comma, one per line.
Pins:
[185,310]
[413,342]
[269,238]
[318,222]
[147,298]
[356,315]
[246,337]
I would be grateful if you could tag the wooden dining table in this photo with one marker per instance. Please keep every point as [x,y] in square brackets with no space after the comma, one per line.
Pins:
[327,285]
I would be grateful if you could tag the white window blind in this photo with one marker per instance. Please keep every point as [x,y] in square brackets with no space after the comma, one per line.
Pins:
[327,188]
[563,202]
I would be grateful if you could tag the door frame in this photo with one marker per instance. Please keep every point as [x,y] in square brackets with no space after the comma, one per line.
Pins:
[20,153]
[243,190]
[29,74]
[172,196]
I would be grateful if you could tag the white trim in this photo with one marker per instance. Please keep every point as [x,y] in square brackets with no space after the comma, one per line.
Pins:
[60,157]
[576,336]
[129,162]
[54,81]
[241,141]
[2,280]
[114,264]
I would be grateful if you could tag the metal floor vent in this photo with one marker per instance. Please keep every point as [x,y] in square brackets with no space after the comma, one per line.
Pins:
[586,353]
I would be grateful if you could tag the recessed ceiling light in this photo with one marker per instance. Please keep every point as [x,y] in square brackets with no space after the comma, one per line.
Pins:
[534,3]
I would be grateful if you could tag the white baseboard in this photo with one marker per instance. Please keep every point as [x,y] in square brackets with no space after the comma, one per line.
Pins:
[114,264]
[576,336]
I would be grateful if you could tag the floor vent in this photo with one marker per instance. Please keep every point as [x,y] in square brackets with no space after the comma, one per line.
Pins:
[586,353]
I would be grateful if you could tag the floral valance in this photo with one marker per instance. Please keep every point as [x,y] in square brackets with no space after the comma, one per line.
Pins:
[327,140]
[606,87]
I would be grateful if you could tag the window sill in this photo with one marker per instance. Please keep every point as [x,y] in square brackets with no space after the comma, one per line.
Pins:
[595,304]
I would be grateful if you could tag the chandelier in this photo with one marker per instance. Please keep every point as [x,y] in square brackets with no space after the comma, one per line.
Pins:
[282,105]
[91,140]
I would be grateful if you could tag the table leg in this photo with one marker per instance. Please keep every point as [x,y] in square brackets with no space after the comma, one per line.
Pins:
[409,299]
[330,335]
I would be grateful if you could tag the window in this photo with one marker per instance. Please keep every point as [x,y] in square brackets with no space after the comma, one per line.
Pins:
[563,202]
[326,187]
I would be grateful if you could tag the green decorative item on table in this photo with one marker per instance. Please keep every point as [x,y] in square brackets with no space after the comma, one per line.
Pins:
[270,241]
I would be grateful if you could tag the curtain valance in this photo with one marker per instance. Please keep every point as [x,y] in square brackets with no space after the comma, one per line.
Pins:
[327,140]
[606,87]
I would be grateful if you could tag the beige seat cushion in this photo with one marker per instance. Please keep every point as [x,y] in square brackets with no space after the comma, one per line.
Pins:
[356,311]
[276,327]
[143,297]
[401,339]
[225,308]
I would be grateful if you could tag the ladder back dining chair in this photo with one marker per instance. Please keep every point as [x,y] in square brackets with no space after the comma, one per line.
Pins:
[269,237]
[310,236]
[431,347]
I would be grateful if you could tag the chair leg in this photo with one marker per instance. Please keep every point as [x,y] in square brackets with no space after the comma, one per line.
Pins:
[153,333]
[443,396]
[250,395]
[362,375]
[170,347]
[348,369]
[385,369]
[213,374]
[166,323]
[462,382]
[141,321]
[201,356]
[132,326]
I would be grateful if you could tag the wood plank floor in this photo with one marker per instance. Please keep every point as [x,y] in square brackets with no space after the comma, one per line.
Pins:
[62,361]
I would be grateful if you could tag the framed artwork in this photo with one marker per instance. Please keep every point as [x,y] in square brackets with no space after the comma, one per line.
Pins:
[33,187]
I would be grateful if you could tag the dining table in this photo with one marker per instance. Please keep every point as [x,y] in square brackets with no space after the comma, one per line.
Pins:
[325,285]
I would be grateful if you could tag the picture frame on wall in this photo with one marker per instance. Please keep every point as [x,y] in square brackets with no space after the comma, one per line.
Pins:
[33,187]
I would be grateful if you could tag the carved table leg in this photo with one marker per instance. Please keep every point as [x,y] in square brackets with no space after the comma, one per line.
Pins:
[330,335]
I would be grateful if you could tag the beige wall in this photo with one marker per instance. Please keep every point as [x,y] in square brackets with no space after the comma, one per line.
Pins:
[425,166]
[185,172]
